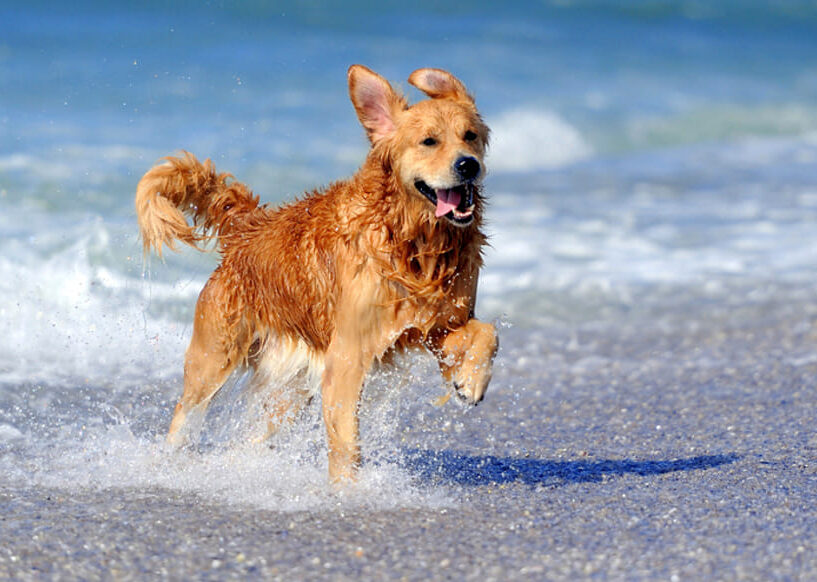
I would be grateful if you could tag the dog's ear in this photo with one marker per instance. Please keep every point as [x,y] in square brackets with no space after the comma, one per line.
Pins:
[375,101]
[437,84]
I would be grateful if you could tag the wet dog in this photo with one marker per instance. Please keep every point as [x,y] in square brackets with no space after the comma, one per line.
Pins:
[312,294]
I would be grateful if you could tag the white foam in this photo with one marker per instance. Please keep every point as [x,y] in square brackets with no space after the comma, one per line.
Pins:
[98,449]
[9,433]
[533,139]
[670,231]
[67,315]
[282,478]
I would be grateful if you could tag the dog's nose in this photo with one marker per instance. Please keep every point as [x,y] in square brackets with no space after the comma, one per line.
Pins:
[467,168]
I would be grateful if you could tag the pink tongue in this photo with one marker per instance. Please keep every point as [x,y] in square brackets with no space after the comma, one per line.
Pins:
[447,200]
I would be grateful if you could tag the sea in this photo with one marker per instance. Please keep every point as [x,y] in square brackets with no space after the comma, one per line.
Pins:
[652,168]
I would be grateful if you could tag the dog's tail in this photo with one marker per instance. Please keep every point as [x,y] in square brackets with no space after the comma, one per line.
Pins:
[183,187]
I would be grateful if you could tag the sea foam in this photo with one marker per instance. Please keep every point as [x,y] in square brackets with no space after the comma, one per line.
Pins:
[528,139]
[75,307]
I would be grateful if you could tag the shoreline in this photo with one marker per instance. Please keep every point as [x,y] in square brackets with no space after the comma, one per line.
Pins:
[669,453]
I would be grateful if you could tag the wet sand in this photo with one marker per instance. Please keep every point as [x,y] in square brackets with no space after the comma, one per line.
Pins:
[677,447]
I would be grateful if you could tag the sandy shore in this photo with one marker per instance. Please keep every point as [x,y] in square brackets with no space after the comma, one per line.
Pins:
[680,447]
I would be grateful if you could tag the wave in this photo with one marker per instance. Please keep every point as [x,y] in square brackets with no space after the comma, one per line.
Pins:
[532,139]
[720,123]
[76,308]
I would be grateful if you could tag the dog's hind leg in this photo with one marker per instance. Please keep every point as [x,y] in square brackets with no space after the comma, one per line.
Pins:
[213,354]
[286,376]
[282,409]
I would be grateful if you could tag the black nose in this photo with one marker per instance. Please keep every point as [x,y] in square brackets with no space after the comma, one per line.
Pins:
[467,168]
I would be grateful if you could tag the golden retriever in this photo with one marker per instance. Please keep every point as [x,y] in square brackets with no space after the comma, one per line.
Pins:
[312,294]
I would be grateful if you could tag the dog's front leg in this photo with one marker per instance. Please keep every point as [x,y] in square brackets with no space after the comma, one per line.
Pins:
[466,356]
[340,391]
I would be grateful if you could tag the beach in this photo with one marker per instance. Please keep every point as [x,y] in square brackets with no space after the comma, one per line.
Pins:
[652,220]
[662,456]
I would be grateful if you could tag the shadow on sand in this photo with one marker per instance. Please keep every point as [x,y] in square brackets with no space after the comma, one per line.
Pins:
[454,467]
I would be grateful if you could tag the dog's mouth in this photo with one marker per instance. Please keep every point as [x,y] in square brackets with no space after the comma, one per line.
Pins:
[455,204]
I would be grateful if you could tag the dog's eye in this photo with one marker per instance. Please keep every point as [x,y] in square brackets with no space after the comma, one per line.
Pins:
[469,136]
[429,141]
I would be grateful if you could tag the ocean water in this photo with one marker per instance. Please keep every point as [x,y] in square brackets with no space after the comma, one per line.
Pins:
[653,170]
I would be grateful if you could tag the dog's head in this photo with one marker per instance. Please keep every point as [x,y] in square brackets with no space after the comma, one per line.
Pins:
[435,147]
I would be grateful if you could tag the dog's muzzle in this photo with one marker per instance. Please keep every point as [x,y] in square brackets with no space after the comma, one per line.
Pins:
[455,203]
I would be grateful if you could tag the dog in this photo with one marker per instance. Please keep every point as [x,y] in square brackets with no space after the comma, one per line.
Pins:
[311,295]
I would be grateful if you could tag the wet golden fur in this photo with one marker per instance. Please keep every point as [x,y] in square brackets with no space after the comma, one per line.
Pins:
[311,294]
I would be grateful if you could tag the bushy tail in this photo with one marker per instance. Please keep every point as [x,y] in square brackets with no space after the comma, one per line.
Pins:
[184,187]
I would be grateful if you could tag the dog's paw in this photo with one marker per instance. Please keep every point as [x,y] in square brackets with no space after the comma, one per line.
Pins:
[471,382]
[466,358]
